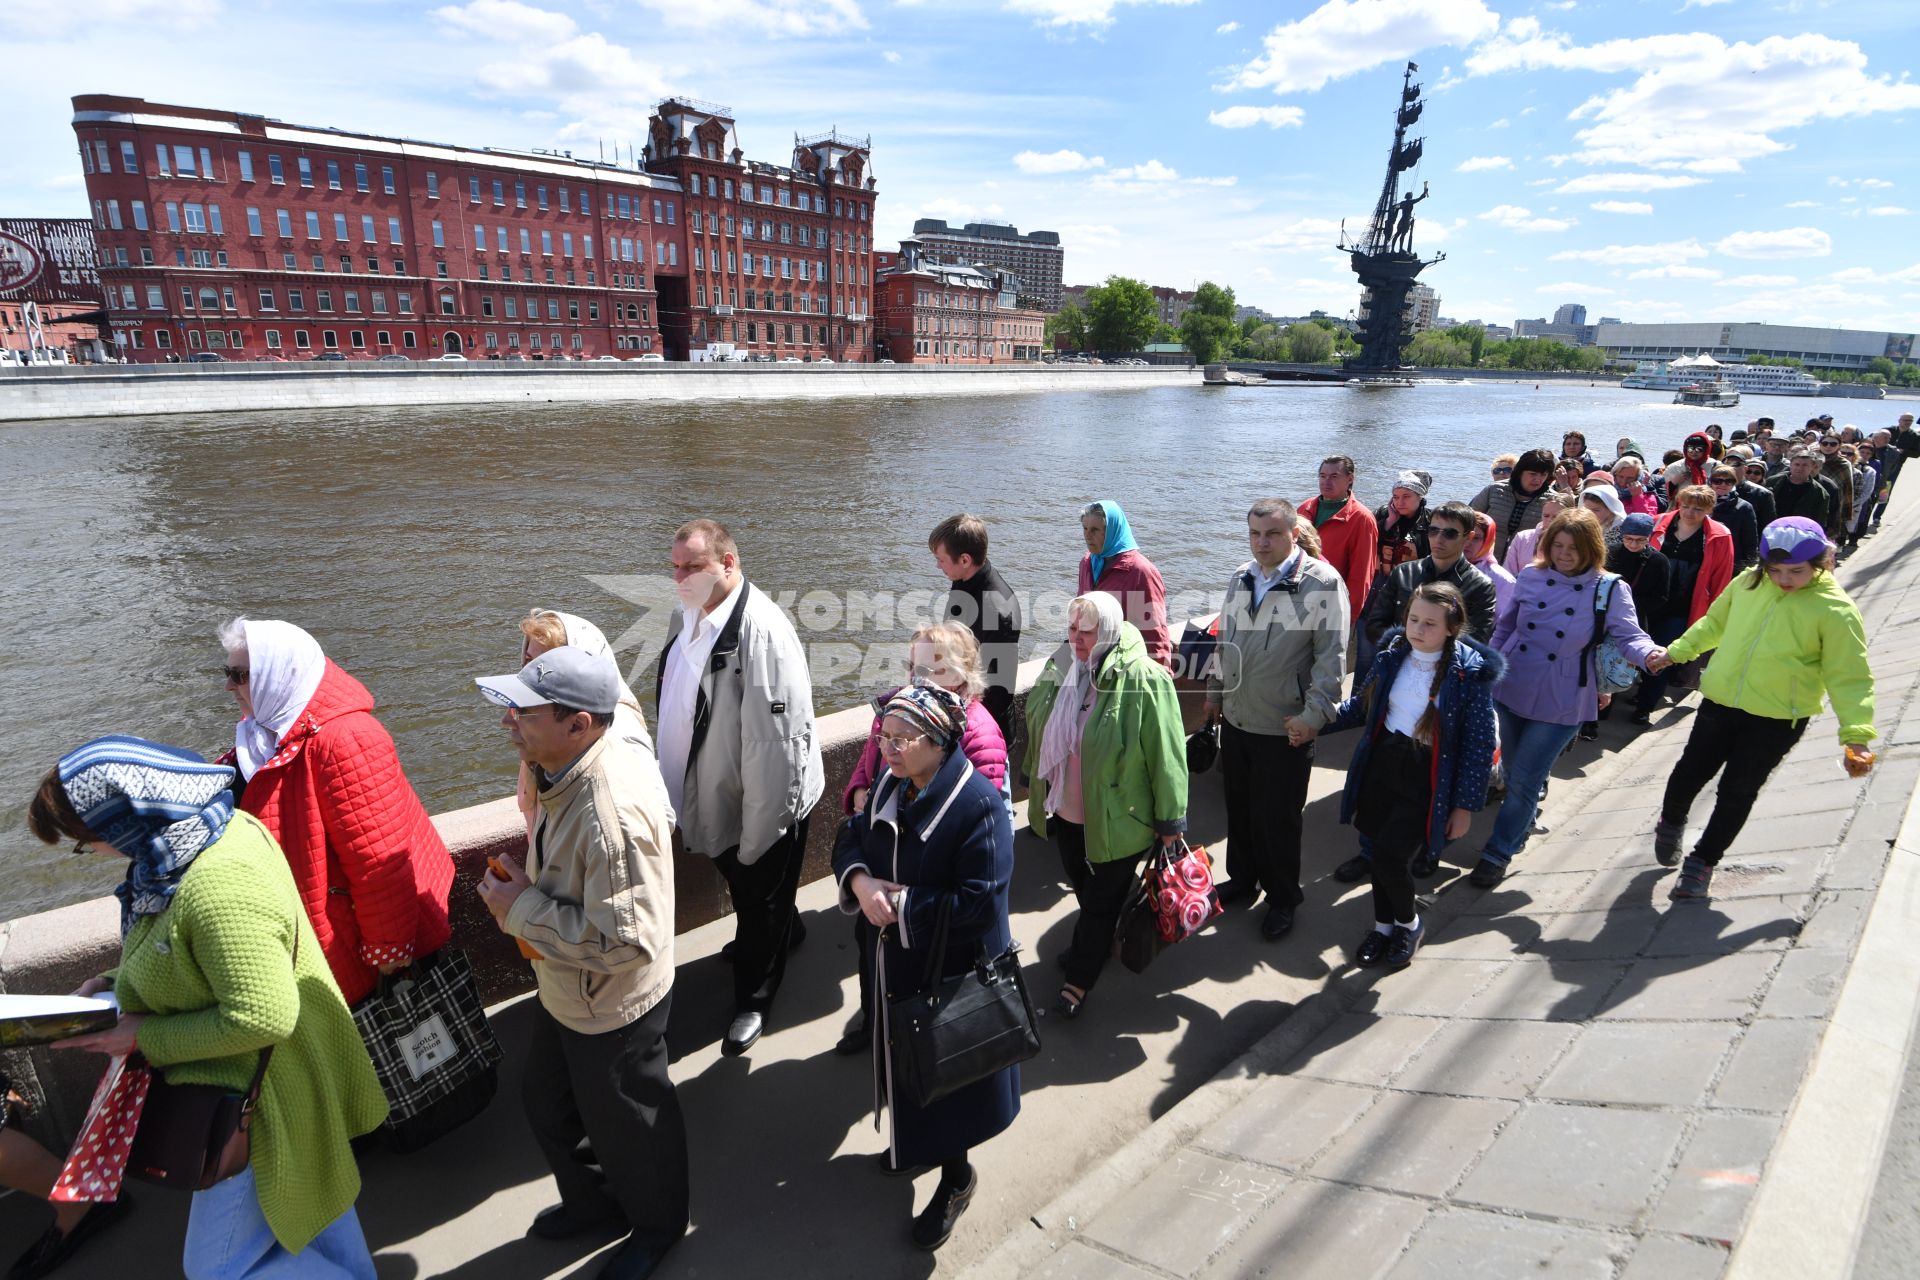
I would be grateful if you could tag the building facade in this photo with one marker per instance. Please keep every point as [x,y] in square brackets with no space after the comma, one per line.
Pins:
[1034,259]
[239,235]
[1572,313]
[1846,349]
[941,313]
[1423,308]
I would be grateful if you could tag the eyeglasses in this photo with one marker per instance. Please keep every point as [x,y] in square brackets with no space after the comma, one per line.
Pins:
[1503,471]
[1722,481]
[234,675]
[1444,533]
[86,846]
[1829,444]
[895,745]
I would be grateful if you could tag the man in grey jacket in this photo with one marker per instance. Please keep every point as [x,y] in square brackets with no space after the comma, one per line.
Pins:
[739,755]
[1282,649]
[594,909]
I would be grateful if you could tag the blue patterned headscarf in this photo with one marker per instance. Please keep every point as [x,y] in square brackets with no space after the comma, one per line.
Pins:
[939,713]
[158,805]
[1119,537]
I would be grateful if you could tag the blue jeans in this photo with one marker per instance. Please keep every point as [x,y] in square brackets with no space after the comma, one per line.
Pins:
[1664,632]
[228,1239]
[1528,748]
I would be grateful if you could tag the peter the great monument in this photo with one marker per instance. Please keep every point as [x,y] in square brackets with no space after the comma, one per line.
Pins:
[1385,260]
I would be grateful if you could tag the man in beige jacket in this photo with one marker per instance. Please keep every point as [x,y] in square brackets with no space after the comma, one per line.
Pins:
[595,903]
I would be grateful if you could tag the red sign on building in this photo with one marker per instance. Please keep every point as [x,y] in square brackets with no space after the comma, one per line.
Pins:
[47,260]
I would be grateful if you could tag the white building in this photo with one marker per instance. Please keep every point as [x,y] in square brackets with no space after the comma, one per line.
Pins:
[1849,349]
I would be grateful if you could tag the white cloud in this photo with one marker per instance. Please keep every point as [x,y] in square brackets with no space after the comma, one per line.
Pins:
[1792,242]
[57,20]
[1056,162]
[1695,98]
[1515,218]
[1247,117]
[1803,204]
[508,21]
[1755,282]
[599,83]
[1075,13]
[1875,183]
[1674,272]
[1609,183]
[1343,37]
[1665,254]
[1093,235]
[1299,235]
[775,17]
[1479,164]
[1151,171]
[1887,211]
[1226,28]
[957,210]
[1702,4]
[1622,206]
[891,56]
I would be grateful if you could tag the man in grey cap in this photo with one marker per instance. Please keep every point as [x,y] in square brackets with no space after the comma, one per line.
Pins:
[593,909]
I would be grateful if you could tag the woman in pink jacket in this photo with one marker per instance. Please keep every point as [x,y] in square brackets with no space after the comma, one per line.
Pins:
[947,655]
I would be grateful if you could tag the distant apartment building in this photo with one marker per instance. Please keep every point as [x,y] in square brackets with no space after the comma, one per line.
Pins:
[1035,259]
[237,234]
[1818,348]
[1172,304]
[1423,308]
[1579,335]
[1570,313]
[931,312]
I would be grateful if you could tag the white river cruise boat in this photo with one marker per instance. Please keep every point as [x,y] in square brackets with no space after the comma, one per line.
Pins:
[1751,379]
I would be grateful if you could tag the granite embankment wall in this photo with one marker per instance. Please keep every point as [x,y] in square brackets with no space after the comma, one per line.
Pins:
[128,390]
[55,951]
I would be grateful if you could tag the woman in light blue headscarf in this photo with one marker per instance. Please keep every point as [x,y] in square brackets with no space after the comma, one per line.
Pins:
[1113,564]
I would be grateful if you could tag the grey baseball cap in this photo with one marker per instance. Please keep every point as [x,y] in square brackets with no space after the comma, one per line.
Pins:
[566,676]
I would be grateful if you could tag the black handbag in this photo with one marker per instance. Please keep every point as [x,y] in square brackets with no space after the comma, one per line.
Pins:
[427,1033]
[1203,748]
[960,1030]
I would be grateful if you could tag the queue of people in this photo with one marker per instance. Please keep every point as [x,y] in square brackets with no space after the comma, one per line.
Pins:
[291,874]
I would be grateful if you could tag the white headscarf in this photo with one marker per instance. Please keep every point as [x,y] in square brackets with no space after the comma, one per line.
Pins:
[1061,739]
[284,666]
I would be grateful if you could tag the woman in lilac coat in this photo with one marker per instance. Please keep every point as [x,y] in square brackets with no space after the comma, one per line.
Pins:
[1545,632]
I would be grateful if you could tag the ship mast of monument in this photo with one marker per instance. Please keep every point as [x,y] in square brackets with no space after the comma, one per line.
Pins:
[1385,260]
[1391,231]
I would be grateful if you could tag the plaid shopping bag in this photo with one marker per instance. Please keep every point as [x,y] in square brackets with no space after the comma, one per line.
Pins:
[435,1053]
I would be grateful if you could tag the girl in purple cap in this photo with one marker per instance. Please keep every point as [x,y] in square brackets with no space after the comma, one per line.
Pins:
[1786,635]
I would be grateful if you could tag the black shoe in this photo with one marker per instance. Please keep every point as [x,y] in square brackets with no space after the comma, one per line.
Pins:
[1487,874]
[1279,921]
[558,1222]
[746,1029]
[1666,842]
[1069,1006]
[1640,716]
[1234,892]
[1404,943]
[637,1259]
[935,1222]
[1372,949]
[884,1163]
[857,1038]
[52,1249]
[1354,869]
[1694,883]
[1424,865]
[1590,731]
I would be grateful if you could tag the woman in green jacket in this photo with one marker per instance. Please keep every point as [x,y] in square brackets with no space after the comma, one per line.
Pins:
[1785,635]
[218,964]
[1107,768]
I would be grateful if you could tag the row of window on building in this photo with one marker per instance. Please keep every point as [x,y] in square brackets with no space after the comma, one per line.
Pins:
[382,340]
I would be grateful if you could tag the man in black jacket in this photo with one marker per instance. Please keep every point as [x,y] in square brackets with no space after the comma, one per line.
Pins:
[1799,492]
[981,601]
[1447,530]
[1444,563]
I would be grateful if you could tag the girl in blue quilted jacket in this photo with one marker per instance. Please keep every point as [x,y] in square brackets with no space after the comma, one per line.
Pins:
[1419,771]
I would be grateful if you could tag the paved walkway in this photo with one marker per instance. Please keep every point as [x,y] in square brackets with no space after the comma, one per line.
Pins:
[1568,1073]
[1575,1077]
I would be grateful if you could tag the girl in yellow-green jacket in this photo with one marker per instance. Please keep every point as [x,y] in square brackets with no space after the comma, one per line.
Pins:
[218,964]
[1784,636]
[1107,768]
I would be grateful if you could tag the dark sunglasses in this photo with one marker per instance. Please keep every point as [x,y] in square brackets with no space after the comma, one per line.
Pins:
[1445,532]
[237,675]
[1503,471]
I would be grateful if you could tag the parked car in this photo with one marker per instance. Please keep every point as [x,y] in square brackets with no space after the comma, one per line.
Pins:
[394,357]
[331,355]
[604,359]
[887,360]
[206,357]
[652,357]
[789,359]
[452,355]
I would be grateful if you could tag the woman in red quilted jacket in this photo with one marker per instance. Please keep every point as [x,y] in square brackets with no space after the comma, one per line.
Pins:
[321,773]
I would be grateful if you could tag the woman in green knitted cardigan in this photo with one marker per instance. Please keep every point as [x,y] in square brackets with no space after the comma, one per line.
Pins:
[218,962]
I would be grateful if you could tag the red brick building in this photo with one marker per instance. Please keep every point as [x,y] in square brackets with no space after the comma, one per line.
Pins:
[232,233]
[940,313]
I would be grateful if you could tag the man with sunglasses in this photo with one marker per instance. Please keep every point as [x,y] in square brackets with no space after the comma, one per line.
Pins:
[1447,530]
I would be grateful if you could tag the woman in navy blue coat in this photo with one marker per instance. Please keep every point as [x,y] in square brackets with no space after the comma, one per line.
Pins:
[934,836]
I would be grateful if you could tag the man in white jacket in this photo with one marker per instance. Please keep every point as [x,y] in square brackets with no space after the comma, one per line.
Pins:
[739,755]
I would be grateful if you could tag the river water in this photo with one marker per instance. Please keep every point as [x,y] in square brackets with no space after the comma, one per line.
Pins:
[410,540]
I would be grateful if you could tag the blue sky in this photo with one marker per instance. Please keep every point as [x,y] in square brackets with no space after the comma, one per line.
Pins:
[1654,159]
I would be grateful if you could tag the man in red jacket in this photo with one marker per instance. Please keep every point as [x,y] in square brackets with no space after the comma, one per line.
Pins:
[1347,530]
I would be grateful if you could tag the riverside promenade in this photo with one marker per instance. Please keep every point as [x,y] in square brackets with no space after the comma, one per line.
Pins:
[1574,1077]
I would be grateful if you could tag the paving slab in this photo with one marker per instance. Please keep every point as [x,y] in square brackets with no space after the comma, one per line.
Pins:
[1465,1244]
[1435,987]
[1083,1262]
[1639,884]
[1413,1144]
[1666,1258]
[1364,1048]
[1641,1063]
[1783,874]
[1286,1121]
[1860,863]
[1597,935]
[1322,1229]
[1730,924]
[1530,893]
[1582,1164]
[1482,937]
[1691,988]
[1719,1170]
[1185,1210]
[1768,1065]
[1806,985]
[1787,829]
[1548,990]
[1486,1059]
[1836,920]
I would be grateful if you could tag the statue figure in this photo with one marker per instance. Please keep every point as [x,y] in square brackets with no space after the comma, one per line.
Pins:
[1403,231]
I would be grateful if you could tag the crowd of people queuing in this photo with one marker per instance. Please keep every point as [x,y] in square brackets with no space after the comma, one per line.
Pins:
[270,889]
